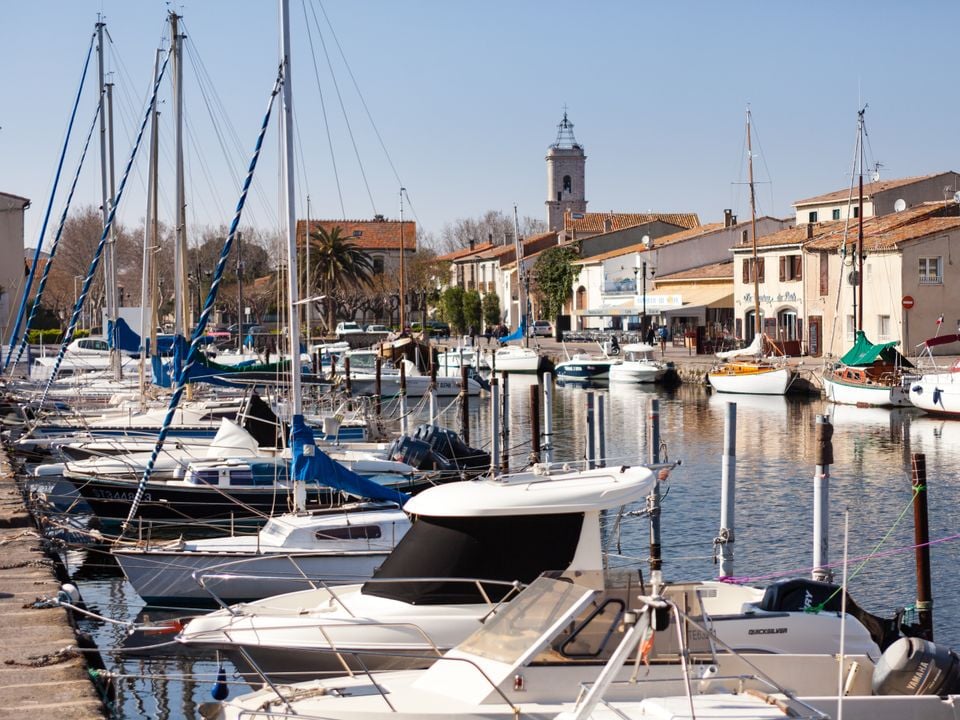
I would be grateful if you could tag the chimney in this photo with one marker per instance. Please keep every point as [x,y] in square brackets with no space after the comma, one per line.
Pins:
[810,231]
[728,218]
[607,225]
[472,243]
[490,238]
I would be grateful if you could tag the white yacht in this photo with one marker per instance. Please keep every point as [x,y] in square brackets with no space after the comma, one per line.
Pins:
[638,365]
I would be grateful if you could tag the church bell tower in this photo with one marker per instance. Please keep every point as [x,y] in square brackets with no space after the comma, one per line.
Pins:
[565,176]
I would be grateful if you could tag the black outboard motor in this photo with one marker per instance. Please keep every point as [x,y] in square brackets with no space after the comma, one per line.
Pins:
[438,449]
[913,666]
[802,594]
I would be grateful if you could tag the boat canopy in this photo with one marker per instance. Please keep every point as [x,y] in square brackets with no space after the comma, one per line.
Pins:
[754,348]
[864,353]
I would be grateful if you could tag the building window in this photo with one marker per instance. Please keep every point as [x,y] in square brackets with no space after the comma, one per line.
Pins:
[836,213]
[851,327]
[787,325]
[378,265]
[931,270]
[812,216]
[883,327]
[824,274]
[567,183]
[856,211]
[747,274]
[791,267]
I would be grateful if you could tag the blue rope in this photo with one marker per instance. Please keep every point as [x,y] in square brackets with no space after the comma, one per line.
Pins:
[91,271]
[201,326]
[46,217]
[56,244]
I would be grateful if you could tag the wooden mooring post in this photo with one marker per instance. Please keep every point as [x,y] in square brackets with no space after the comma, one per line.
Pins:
[921,541]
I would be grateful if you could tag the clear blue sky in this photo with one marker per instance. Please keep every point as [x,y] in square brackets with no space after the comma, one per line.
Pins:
[466,97]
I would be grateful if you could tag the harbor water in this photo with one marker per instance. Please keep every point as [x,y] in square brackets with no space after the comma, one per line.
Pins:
[870,483]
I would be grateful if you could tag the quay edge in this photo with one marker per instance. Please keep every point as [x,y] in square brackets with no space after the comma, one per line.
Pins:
[42,671]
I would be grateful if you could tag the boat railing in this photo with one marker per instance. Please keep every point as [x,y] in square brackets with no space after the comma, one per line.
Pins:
[640,634]
[356,656]
[207,581]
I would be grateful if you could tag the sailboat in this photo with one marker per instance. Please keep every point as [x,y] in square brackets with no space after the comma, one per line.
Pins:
[867,374]
[753,370]
[515,358]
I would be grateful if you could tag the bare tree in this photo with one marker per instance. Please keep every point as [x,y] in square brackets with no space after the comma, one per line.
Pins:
[493,226]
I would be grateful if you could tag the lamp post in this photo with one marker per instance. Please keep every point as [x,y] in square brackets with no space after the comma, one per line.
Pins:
[641,270]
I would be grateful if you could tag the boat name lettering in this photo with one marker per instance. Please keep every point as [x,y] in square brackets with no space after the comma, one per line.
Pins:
[119,495]
[767,631]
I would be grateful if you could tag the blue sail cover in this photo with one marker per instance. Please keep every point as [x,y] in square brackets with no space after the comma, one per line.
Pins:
[519,334]
[122,337]
[315,466]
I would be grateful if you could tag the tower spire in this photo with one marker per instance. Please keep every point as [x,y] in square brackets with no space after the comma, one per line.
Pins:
[565,138]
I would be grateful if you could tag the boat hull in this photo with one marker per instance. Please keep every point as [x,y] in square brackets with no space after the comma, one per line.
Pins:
[582,371]
[166,578]
[758,381]
[636,373]
[846,393]
[937,394]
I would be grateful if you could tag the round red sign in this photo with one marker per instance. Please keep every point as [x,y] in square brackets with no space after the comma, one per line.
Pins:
[907,301]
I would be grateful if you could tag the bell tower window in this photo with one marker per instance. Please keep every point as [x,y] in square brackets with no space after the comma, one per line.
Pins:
[566,183]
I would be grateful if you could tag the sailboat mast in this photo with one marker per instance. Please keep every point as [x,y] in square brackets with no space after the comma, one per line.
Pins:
[403,274]
[106,198]
[521,278]
[147,291]
[858,260]
[180,289]
[753,230]
[291,208]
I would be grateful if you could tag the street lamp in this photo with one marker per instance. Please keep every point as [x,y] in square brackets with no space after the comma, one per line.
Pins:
[642,271]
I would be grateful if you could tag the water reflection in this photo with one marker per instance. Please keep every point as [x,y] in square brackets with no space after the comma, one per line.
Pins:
[870,479]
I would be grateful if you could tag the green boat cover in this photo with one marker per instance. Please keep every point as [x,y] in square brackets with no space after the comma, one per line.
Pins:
[865,353]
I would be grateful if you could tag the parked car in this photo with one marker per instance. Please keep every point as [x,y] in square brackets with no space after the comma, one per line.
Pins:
[243,329]
[347,327]
[541,328]
[438,328]
[381,329]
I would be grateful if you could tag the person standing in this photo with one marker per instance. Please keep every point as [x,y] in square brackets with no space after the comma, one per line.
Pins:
[663,340]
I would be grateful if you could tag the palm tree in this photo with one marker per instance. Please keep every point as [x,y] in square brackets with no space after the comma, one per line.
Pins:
[339,264]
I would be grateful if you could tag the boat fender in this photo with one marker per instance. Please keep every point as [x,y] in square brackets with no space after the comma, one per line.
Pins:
[913,666]
[220,691]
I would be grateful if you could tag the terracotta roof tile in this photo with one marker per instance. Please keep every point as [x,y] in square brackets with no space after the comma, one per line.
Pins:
[374,234]
[593,223]
[533,244]
[869,189]
[464,252]
[716,271]
[879,233]
[657,242]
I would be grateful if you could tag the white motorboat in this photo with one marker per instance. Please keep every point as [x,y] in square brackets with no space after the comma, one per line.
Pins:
[395,621]
[418,385]
[638,365]
[585,368]
[470,534]
[514,359]
[572,646]
[291,552]
[937,391]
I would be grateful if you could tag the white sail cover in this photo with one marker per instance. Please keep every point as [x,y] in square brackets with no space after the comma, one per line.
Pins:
[754,348]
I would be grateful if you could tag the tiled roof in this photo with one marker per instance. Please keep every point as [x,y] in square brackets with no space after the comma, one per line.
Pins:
[655,243]
[593,223]
[716,271]
[535,243]
[882,232]
[869,189]
[373,234]
[464,252]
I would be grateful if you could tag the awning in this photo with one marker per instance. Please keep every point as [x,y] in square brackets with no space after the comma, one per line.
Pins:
[697,298]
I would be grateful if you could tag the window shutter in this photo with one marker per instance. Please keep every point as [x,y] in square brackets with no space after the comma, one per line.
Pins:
[760,269]
[746,270]
[783,267]
[798,267]
[824,274]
